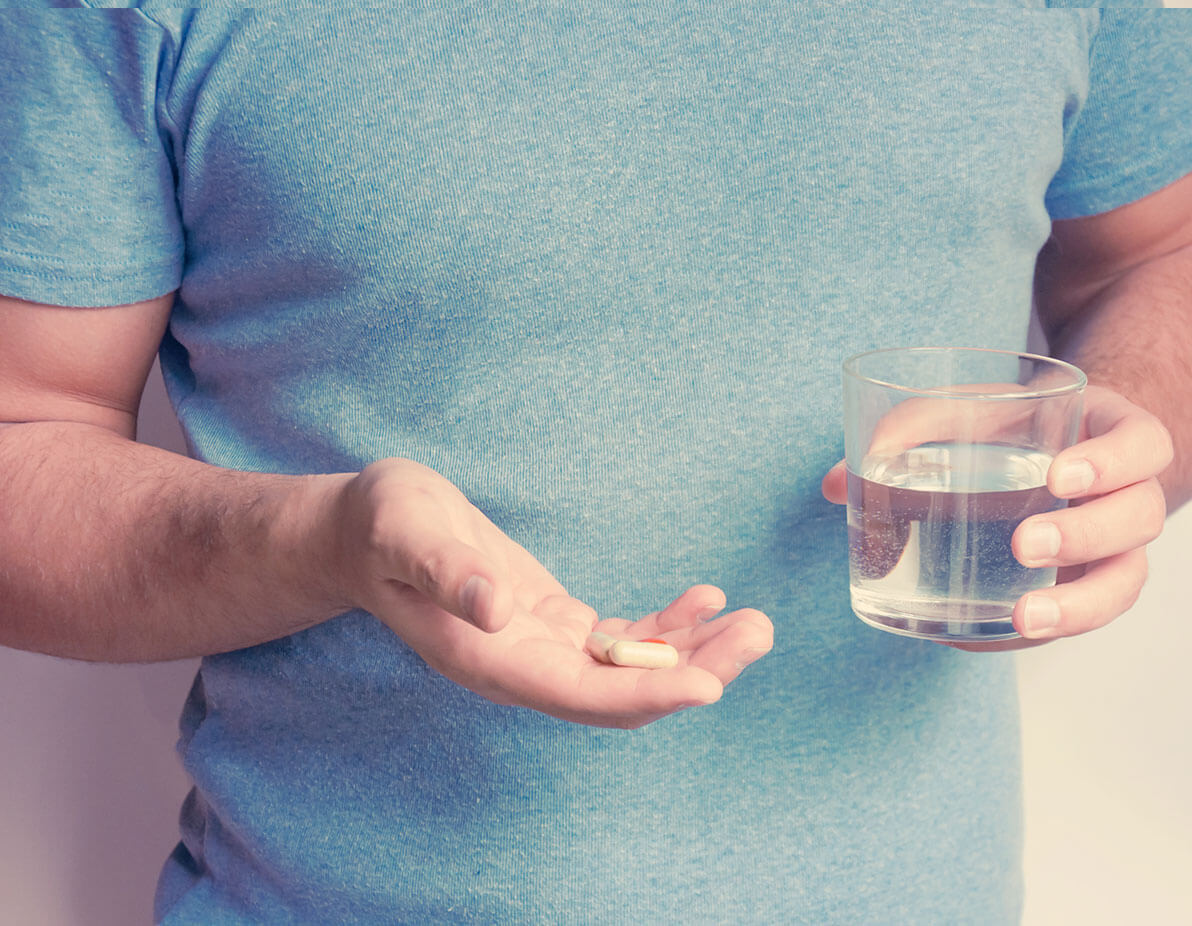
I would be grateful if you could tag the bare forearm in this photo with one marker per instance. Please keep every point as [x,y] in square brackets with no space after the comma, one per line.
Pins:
[1135,336]
[116,551]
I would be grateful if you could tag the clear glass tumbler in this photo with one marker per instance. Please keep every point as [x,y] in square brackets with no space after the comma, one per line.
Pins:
[948,451]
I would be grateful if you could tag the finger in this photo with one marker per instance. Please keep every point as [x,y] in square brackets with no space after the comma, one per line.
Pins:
[1063,574]
[728,645]
[1123,520]
[1127,445]
[699,603]
[835,484]
[1107,589]
[691,638]
[923,420]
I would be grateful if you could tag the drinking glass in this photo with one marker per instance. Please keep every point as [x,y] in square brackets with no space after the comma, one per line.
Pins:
[948,450]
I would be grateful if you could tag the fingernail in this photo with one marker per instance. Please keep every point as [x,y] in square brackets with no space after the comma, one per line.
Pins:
[1074,478]
[706,614]
[1040,542]
[475,595]
[750,656]
[1041,615]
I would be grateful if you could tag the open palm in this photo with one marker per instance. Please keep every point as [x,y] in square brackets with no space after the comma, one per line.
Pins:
[486,614]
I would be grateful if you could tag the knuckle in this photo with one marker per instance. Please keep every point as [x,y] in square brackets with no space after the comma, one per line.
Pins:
[397,468]
[1083,538]
[1136,576]
[1155,502]
[1084,613]
[380,533]
[390,508]
[428,570]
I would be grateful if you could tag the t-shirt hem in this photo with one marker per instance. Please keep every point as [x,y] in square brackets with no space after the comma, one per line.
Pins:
[21,277]
[1105,193]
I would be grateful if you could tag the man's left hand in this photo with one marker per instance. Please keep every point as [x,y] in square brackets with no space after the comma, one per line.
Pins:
[1116,507]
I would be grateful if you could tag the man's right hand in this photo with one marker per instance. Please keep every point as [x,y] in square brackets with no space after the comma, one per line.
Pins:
[413,551]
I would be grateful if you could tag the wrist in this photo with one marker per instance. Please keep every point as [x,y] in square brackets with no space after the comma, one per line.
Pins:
[304,538]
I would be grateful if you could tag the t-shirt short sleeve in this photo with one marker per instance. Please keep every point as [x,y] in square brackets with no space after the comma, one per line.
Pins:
[1133,135]
[88,213]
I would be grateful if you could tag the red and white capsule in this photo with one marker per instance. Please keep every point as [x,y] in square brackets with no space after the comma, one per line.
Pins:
[639,654]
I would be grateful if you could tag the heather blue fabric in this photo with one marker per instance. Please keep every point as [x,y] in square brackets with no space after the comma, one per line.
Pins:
[599,267]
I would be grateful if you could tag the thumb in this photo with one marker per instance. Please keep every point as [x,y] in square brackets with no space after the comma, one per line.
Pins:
[459,579]
[835,484]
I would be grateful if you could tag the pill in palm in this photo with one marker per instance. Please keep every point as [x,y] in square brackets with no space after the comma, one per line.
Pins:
[644,655]
[639,654]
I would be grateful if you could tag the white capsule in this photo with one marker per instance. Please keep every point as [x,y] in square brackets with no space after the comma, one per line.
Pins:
[643,655]
[636,654]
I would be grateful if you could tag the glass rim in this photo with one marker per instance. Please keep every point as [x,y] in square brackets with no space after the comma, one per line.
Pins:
[1080,380]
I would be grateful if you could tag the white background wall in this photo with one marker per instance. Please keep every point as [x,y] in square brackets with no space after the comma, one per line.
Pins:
[90,786]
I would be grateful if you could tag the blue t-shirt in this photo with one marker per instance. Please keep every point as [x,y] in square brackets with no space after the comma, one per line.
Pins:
[598,264]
